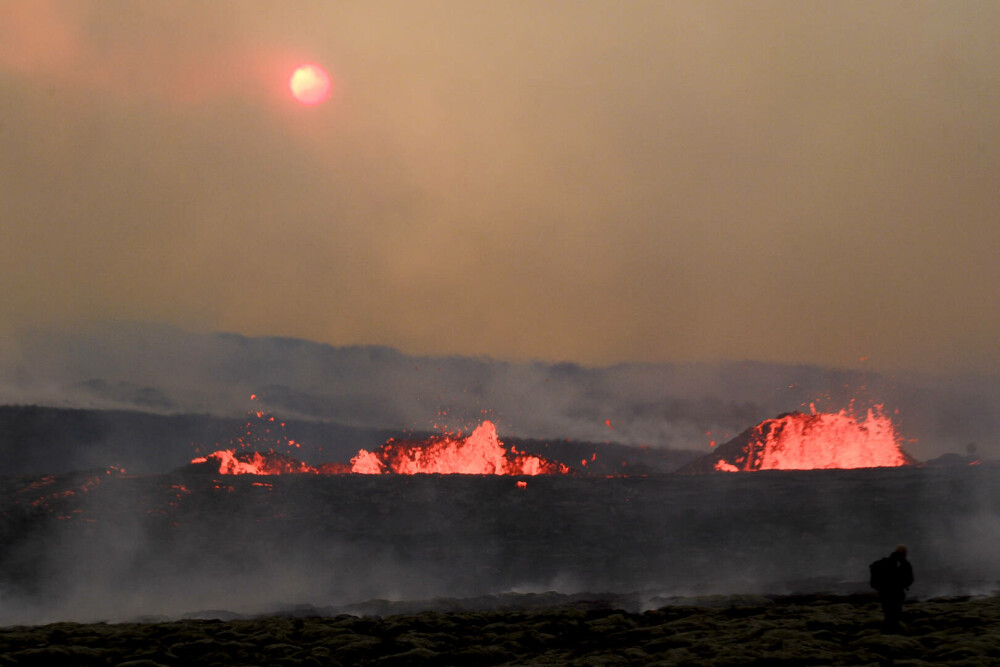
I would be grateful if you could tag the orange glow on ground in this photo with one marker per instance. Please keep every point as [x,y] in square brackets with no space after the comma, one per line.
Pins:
[819,441]
[310,84]
[480,453]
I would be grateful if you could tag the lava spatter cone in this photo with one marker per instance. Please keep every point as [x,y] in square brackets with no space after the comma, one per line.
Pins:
[819,440]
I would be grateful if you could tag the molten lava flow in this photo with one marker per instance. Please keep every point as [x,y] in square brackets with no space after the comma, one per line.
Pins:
[244,456]
[55,495]
[799,441]
[254,463]
[481,453]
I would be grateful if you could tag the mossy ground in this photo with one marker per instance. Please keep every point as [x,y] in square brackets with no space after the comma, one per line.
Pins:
[805,630]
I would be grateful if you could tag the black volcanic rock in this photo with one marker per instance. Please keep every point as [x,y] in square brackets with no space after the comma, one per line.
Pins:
[953,459]
[102,545]
[607,458]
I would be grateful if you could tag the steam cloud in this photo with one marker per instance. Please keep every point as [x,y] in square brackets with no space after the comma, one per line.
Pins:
[168,371]
[177,543]
[331,542]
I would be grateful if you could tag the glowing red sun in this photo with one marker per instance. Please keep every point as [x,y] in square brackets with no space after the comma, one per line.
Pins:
[310,84]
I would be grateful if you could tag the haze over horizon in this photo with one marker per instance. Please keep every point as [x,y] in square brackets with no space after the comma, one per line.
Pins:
[167,370]
[594,183]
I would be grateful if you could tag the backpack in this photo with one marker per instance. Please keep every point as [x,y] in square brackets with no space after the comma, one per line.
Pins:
[882,574]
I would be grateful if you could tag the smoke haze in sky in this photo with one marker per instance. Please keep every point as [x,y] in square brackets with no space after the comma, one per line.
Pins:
[598,183]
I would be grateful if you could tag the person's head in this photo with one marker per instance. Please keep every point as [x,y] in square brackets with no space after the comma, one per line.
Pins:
[900,551]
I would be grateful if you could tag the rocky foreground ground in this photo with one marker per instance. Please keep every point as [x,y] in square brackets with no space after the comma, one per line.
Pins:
[801,630]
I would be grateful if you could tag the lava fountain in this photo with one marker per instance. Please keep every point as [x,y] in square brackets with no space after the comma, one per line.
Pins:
[479,453]
[819,440]
[246,454]
[231,462]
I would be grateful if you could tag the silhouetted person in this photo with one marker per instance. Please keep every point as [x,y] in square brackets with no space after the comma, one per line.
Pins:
[891,577]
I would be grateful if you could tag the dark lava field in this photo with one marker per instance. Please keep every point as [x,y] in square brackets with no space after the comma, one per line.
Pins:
[105,546]
[806,630]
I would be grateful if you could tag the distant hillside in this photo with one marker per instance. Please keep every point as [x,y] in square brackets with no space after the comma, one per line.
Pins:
[37,440]
[40,440]
[167,371]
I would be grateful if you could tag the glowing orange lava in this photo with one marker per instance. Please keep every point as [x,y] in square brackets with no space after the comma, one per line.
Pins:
[246,454]
[254,463]
[813,441]
[480,453]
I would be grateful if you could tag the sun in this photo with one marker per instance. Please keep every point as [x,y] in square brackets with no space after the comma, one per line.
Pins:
[310,84]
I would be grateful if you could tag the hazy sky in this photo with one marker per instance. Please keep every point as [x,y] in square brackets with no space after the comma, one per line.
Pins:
[589,181]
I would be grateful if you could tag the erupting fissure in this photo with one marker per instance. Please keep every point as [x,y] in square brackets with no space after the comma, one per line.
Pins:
[480,453]
[232,462]
[819,440]
[246,455]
